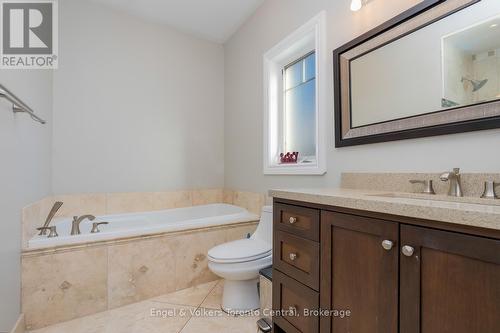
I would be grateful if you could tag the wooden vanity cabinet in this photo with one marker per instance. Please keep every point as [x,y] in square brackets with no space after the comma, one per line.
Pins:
[451,283]
[296,267]
[391,275]
[358,274]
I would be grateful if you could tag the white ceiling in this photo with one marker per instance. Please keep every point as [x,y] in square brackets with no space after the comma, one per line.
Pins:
[479,38]
[214,20]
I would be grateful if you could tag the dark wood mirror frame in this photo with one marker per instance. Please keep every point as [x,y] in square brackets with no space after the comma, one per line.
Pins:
[475,117]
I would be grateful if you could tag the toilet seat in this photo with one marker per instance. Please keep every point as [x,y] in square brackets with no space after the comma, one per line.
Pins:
[242,250]
[239,264]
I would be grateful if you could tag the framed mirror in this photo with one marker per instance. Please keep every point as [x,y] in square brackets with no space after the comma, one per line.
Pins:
[433,70]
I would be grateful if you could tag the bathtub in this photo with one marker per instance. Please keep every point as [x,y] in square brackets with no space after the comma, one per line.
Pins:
[146,223]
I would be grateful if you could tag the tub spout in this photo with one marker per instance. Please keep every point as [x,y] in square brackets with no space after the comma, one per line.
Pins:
[75,226]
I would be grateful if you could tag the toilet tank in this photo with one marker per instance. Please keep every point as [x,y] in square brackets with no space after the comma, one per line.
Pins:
[264,230]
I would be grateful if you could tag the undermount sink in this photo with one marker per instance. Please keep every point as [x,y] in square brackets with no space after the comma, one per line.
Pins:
[445,198]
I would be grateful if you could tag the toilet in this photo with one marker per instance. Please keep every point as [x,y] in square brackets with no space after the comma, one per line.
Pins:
[239,263]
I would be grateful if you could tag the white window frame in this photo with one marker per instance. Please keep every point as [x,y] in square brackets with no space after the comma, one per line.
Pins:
[309,37]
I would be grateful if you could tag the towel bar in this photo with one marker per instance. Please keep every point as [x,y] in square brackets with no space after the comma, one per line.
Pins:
[18,105]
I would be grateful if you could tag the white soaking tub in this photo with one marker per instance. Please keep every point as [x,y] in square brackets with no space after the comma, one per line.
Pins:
[146,223]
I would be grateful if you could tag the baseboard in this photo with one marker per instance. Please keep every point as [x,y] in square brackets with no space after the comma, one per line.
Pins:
[20,326]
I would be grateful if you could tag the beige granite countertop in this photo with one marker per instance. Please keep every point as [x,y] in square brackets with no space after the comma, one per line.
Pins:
[465,211]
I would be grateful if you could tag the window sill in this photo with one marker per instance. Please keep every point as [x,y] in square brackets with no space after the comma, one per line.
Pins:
[295,169]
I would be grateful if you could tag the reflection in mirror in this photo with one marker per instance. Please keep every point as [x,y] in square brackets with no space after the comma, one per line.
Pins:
[471,62]
[451,63]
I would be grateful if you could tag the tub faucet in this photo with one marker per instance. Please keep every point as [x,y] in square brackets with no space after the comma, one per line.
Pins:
[454,178]
[75,226]
[43,230]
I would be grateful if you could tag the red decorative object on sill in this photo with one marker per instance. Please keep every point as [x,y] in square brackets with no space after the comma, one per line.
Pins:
[289,157]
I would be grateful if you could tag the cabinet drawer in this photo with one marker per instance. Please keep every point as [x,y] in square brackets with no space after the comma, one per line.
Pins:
[297,220]
[297,257]
[291,299]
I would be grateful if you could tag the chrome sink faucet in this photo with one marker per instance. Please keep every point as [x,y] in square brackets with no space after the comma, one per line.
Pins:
[454,178]
[75,226]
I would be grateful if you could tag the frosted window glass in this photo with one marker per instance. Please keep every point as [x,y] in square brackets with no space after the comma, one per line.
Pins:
[300,108]
[294,75]
[310,67]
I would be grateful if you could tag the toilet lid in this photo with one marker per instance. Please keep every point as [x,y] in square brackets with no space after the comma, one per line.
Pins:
[240,251]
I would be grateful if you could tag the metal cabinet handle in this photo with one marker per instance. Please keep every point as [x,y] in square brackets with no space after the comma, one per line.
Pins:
[387,244]
[293,256]
[407,250]
[292,220]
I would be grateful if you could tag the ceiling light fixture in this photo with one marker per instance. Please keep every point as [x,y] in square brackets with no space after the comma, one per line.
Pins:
[494,25]
[356,5]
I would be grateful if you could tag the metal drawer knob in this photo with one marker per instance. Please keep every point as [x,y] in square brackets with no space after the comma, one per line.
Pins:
[292,220]
[293,310]
[407,250]
[387,244]
[293,256]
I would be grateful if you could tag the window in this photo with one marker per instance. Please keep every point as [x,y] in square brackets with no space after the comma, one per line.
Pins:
[299,112]
[293,107]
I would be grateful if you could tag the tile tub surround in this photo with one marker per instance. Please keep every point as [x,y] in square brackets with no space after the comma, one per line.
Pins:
[62,284]
[115,203]
[195,310]
[472,183]
[467,214]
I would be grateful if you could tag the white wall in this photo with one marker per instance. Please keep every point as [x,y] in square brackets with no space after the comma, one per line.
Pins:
[25,176]
[273,21]
[137,106]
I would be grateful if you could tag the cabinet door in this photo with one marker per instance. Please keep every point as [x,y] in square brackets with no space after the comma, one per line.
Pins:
[358,274]
[450,282]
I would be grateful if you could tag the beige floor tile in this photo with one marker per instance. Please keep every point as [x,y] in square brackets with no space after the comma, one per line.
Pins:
[170,318]
[214,299]
[191,297]
[222,324]
[134,318]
